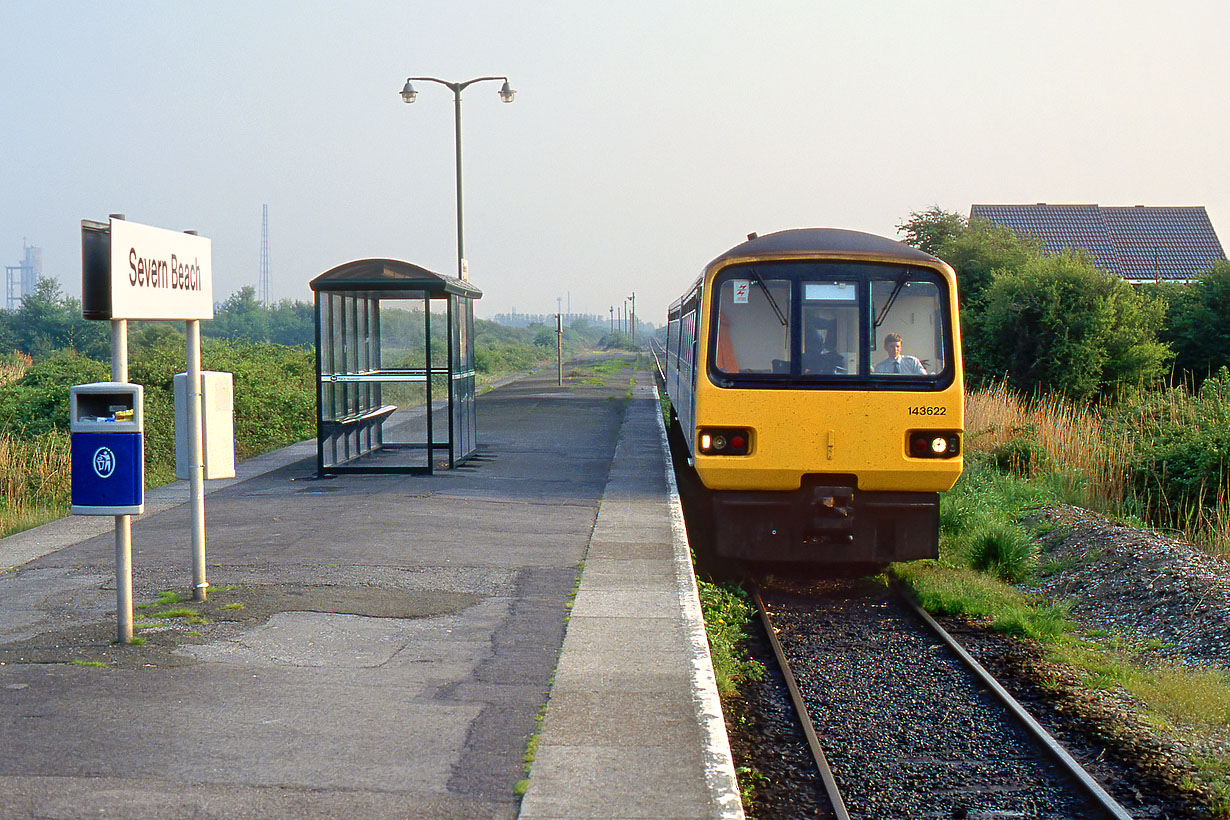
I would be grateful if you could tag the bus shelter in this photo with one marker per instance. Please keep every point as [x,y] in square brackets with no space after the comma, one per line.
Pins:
[395,369]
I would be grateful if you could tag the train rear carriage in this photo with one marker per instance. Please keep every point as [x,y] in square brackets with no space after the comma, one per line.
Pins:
[816,377]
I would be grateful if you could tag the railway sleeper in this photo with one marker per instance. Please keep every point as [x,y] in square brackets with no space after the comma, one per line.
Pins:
[826,521]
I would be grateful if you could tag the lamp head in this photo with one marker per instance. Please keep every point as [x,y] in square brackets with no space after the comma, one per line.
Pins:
[506,92]
[408,93]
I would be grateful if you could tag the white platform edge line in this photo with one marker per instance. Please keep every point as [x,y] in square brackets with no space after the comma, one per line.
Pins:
[720,766]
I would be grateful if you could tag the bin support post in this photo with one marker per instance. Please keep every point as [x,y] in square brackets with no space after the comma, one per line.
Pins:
[123,523]
[196,461]
[123,578]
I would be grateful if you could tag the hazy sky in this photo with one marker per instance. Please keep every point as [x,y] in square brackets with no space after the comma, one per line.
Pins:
[646,137]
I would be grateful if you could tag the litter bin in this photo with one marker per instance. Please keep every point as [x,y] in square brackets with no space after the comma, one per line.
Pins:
[107,424]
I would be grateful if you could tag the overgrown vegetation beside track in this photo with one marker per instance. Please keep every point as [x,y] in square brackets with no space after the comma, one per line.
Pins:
[1023,456]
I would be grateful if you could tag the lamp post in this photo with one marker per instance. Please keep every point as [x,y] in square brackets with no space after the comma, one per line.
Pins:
[633,298]
[408,95]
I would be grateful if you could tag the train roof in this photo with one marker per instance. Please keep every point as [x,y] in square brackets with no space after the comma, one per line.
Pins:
[805,241]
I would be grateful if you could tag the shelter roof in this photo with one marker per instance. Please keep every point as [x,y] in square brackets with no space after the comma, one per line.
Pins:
[1138,243]
[376,275]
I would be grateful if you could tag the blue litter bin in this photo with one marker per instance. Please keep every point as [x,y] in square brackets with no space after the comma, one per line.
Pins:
[107,429]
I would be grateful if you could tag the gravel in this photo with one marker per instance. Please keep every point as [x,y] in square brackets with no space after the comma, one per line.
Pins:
[1140,584]
[1169,599]
[906,728]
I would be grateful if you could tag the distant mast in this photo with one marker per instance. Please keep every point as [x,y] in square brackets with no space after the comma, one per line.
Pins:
[264,281]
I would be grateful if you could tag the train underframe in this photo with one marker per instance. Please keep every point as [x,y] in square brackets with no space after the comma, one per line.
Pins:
[826,521]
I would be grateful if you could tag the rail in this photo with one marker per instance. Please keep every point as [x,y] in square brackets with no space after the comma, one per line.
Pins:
[659,361]
[800,709]
[1065,760]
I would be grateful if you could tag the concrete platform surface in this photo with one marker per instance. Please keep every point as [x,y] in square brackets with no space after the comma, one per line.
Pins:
[381,646]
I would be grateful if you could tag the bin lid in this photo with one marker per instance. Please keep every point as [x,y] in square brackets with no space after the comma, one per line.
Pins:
[376,275]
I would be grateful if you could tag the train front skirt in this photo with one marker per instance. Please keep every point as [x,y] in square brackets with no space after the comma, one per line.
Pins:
[826,524]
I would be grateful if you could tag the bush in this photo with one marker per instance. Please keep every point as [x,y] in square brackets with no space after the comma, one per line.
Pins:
[37,402]
[275,395]
[1021,455]
[499,358]
[1182,446]
[1198,321]
[1060,324]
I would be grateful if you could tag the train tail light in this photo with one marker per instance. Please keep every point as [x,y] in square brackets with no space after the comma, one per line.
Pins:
[933,444]
[725,441]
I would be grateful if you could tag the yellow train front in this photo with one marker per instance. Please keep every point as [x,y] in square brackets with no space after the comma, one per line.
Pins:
[816,377]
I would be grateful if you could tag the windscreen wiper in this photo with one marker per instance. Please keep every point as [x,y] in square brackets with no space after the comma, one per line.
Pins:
[892,297]
[781,317]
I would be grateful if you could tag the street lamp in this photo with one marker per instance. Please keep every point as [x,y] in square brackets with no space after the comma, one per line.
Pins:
[408,95]
[633,298]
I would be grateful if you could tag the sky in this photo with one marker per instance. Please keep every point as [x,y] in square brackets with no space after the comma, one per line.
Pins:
[647,136]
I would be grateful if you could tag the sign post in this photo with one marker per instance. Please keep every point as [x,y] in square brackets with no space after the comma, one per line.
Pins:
[134,271]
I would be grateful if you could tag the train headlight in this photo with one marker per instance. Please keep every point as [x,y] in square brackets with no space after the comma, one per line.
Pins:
[933,443]
[725,442]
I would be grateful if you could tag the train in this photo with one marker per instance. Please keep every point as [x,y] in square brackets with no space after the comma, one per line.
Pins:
[815,377]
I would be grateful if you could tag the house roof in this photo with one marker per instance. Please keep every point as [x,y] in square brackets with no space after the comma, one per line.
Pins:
[1138,244]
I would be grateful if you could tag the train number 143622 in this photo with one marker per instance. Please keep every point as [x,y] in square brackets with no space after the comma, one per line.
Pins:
[928,411]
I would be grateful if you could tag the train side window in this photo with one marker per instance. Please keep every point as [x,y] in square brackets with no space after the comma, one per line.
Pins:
[753,327]
[914,321]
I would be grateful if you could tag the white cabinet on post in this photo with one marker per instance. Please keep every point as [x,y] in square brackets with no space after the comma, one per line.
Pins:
[217,424]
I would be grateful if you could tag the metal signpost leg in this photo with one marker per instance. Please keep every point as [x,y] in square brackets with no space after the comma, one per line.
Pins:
[196,461]
[123,523]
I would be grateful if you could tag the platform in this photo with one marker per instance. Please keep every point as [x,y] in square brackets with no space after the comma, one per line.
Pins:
[380,646]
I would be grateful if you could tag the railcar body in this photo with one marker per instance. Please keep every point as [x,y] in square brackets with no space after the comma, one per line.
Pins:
[814,443]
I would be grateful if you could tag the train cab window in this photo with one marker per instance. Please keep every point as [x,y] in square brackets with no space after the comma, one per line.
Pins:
[829,346]
[821,324]
[908,338]
[753,326]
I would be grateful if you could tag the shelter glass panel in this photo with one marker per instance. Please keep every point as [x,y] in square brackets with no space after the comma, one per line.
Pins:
[463,375]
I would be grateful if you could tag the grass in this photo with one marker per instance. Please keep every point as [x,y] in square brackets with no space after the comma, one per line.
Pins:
[34,480]
[1087,458]
[166,598]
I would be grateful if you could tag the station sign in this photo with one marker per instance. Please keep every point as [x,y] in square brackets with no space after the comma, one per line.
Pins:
[160,274]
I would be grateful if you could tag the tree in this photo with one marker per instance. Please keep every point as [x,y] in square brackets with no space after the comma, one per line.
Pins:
[240,317]
[1060,324]
[292,323]
[1198,321]
[980,249]
[47,321]
[929,230]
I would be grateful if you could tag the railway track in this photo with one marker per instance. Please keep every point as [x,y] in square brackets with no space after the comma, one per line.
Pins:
[902,722]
